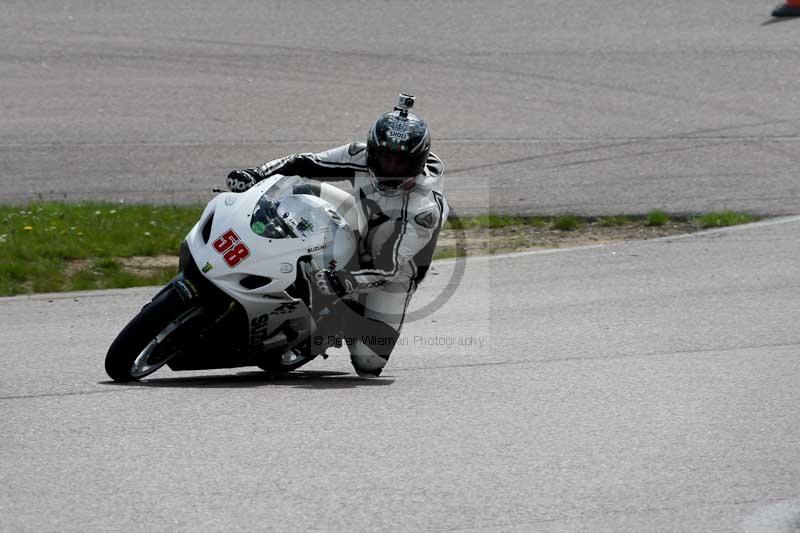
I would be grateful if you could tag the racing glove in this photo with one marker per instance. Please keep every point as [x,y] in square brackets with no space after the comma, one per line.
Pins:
[335,283]
[240,181]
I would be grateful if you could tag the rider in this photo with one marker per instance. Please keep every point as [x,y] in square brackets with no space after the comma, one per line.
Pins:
[397,207]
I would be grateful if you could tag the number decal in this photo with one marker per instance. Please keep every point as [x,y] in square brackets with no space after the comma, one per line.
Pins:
[236,255]
[232,250]
[225,241]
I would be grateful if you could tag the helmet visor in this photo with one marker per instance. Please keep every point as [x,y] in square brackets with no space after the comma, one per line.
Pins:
[393,168]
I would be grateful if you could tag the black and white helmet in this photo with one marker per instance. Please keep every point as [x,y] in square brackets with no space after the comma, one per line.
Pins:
[398,145]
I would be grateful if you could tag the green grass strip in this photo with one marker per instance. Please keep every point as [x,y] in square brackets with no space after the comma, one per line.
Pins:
[722,219]
[50,247]
[40,241]
[656,218]
[567,223]
[615,221]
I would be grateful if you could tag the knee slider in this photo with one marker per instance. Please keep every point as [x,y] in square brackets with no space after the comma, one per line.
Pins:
[368,365]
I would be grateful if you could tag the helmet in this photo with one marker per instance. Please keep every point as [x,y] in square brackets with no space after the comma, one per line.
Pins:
[398,145]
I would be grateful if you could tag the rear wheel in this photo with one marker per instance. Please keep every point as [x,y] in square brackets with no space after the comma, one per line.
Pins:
[164,328]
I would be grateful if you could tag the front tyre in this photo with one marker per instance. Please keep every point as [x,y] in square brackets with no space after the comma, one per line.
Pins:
[163,329]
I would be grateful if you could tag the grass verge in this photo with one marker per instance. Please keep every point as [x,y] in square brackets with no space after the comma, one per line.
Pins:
[656,218]
[724,218]
[51,247]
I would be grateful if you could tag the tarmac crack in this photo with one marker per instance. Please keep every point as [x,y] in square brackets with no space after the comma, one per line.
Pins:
[61,394]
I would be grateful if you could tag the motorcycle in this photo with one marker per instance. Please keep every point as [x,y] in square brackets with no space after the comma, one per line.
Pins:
[244,293]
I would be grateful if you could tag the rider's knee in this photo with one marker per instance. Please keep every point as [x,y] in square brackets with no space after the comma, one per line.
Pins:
[367,364]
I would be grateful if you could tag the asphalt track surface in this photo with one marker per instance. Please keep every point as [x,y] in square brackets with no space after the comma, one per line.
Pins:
[645,386]
[648,386]
[549,106]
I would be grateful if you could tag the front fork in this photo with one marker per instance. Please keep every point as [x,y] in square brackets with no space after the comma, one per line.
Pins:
[186,281]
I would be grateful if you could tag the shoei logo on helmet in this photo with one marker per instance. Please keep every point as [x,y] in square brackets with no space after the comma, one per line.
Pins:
[398,135]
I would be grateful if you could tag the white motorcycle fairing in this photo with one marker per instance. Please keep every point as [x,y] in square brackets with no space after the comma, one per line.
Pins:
[237,250]
[243,295]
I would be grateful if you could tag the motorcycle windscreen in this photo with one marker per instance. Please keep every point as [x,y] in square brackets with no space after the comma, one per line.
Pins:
[266,222]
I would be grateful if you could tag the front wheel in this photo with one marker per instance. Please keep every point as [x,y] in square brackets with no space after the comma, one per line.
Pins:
[162,330]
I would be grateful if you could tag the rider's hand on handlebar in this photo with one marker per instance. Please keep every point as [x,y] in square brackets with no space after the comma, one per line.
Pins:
[239,181]
[334,283]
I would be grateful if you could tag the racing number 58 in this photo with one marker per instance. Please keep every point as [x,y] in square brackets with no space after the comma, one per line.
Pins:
[232,249]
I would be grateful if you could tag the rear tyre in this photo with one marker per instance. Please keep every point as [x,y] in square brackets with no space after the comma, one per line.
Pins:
[163,329]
